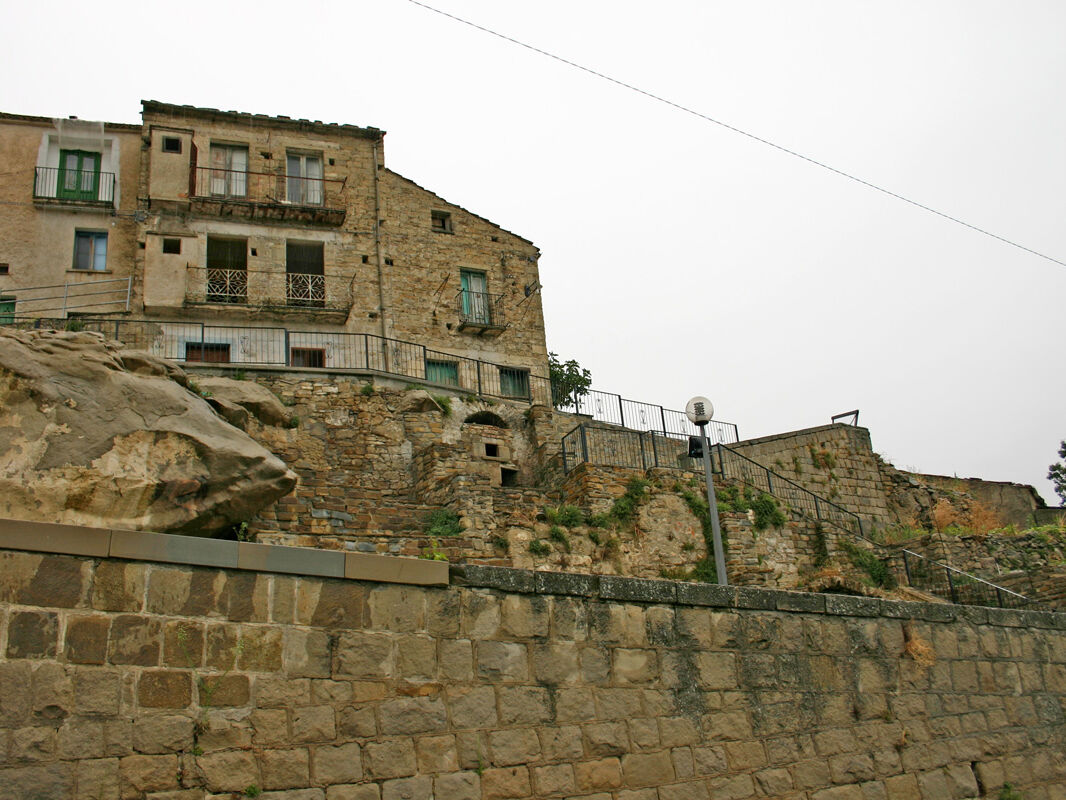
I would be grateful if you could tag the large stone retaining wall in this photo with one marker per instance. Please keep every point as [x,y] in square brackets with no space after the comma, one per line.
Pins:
[134,678]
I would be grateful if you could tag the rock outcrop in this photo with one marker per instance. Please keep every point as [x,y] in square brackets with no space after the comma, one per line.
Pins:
[94,435]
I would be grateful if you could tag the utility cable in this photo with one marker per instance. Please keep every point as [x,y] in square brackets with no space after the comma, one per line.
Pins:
[734,129]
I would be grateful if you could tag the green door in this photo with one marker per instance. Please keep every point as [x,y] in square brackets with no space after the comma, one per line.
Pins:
[7,310]
[79,175]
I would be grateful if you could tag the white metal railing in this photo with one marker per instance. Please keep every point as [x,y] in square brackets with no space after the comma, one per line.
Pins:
[64,297]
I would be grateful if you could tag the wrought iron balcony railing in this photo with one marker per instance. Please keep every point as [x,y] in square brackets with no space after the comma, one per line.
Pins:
[268,195]
[305,290]
[226,285]
[267,289]
[480,311]
[74,185]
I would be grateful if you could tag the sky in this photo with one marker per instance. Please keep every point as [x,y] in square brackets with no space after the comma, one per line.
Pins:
[680,257]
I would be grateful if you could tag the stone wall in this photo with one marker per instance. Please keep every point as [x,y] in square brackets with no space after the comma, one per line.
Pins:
[129,679]
[836,462]
[913,498]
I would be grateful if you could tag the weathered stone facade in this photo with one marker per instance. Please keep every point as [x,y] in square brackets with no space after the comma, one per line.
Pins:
[45,208]
[128,679]
[267,225]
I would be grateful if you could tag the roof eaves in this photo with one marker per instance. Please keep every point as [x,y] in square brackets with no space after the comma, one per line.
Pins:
[159,107]
[466,210]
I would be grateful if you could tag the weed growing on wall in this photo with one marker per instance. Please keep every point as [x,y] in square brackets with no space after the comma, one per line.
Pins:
[625,507]
[442,523]
[877,571]
[539,547]
[565,515]
[557,534]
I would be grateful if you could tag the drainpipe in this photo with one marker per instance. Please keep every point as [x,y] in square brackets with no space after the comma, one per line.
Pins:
[377,244]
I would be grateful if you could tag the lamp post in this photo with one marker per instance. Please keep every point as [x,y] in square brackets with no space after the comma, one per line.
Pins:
[699,412]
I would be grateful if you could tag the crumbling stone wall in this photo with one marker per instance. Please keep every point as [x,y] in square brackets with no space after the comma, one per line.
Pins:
[125,679]
[836,462]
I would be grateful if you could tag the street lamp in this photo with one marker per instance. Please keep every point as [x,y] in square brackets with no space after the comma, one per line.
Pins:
[699,412]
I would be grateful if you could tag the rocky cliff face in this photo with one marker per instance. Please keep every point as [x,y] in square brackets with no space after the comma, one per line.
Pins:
[94,435]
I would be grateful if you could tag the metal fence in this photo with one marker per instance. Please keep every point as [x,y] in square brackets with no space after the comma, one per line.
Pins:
[281,347]
[91,292]
[635,450]
[960,587]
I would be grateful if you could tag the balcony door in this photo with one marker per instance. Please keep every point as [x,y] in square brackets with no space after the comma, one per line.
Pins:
[79,175]
[305,281]
[227,270]
[475,297]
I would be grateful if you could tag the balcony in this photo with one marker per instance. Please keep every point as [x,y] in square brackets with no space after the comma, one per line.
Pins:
[273,290]
[73,187]
[267,196]
[480,312]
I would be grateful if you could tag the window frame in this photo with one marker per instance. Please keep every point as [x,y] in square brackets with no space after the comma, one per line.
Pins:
[224,180]
[520,376]
[302,189]
[437,368]
[445,218]
[93,237]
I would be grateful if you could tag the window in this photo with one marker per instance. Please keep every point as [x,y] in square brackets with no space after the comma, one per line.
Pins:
[514,382]
[474,298]
[442,372]
[441,221]
[229,170]
[171,144]
[307,357]
[79,175]
[210,352]
[5,269]
[7,309]
[90,251]
[172,247]
[305,283]
[227,270]
[304,178]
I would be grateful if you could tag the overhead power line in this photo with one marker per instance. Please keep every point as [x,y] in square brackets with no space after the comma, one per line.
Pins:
[734,129]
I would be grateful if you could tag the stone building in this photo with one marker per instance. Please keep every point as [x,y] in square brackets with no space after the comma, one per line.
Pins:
[67,215]
[266,240]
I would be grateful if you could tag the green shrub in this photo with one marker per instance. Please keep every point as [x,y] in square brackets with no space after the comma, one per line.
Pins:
[367,390]
[877,570]
[444,522]
[500,542]
[599,521]
[565,515]
[433,552]
[294,422]
[444,402]
[557,534]
[767,513]
[625,507]
[1008,792]
[539,547]
[594,537]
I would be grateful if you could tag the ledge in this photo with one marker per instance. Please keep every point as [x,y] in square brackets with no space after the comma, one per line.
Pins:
[43,537]
[76,540]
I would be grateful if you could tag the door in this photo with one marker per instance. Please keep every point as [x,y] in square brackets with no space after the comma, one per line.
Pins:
[475,297]
[79,175]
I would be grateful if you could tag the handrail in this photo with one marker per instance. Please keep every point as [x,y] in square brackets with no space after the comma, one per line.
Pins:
[71,295]
[959,589]
[364,352]
[625,448]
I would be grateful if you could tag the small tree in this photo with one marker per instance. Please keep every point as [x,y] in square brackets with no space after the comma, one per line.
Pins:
[1056,473]
[569,381]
